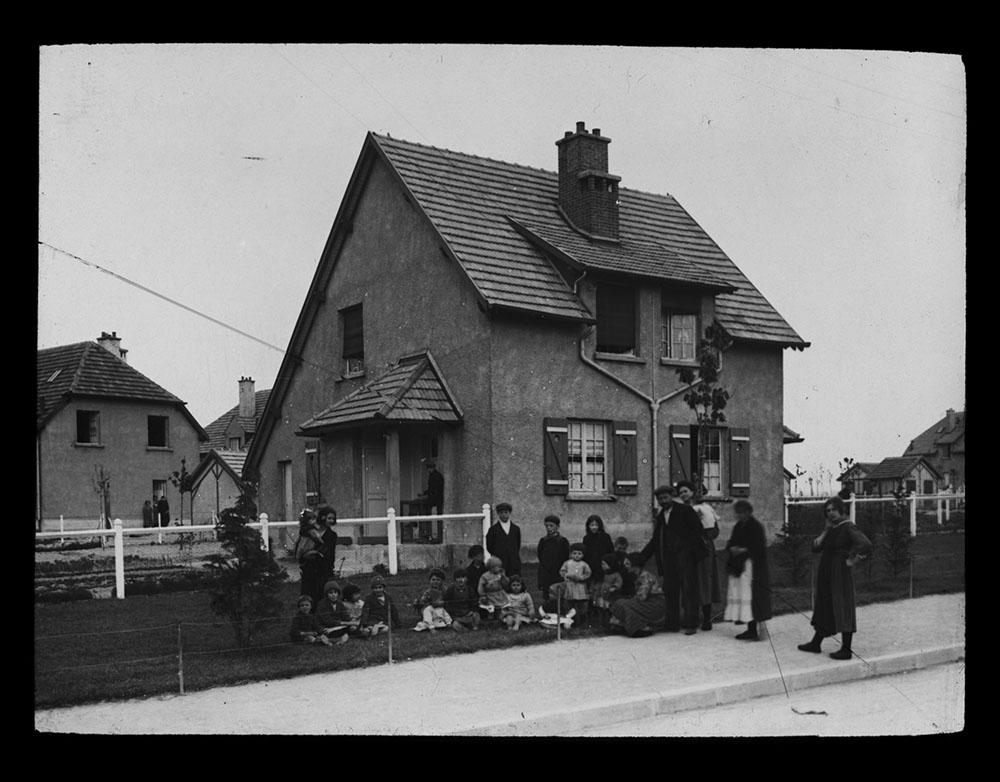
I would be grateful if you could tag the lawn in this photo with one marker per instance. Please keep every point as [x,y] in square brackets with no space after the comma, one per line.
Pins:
[94,650]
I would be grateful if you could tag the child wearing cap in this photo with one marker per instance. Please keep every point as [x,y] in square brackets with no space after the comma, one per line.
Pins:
[331,614]
[575,572]
[503,539]
[434,616]
[519,609]
[553,550]
[477,565]
[305,627]
[435,582]
[379,611]
[493,586]
[462,602]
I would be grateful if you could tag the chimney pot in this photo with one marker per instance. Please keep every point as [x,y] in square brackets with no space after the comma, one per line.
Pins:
[588,194]
[596,131]
[248,404]
[580,127]
[567,134]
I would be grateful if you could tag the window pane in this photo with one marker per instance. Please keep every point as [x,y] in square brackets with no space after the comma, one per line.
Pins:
[587,446]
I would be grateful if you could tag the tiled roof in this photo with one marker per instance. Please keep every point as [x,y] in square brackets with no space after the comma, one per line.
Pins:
[469,199]
[863,467]
[788,436]
[217,429]
[926,442]
[88,370]
[895,467]
[412,390]
[232,461]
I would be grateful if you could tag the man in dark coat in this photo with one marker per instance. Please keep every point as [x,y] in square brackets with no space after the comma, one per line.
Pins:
[677,544]
[504,540]
[435,488]
[163,511]
[147,514]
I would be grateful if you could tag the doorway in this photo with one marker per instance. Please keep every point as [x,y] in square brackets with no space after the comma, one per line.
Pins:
[375,493]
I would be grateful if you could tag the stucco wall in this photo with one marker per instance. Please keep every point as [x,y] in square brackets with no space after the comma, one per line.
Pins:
[67,469]
[212,497]
[413,298]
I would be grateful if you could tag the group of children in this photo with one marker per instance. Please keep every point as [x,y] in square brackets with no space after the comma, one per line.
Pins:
[578,584]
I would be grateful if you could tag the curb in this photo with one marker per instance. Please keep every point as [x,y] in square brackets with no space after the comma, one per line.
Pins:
[612,712]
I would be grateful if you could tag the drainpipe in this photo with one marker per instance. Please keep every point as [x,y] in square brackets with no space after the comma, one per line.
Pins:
[654,404]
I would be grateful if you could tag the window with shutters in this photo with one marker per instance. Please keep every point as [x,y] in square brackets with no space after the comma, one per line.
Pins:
[588,459]
[354,340]
[715,459]
[313,496]
[617,317]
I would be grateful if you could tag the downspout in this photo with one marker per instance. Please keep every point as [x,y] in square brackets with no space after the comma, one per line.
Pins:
[654,404]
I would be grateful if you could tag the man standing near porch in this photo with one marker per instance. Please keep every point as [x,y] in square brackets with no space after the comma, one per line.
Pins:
[435,488]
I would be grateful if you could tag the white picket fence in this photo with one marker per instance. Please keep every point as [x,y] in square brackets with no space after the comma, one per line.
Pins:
[944,505]
[119,532]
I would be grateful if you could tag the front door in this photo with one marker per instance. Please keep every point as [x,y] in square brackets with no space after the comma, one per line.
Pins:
[375,493]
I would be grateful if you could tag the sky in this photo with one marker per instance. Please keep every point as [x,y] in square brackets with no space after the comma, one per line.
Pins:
[210,175]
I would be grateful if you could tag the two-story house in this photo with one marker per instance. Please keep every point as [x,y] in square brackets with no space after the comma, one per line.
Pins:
[943,447]
[97,416]
[523,329]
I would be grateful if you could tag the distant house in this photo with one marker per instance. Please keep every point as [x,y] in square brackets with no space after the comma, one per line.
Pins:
[234,430]
[217,483]
[96,413]
[857,479]
[522,328]
[912,473]
[943,447]
[789,437]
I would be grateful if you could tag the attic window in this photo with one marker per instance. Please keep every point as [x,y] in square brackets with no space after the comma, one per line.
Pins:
[354,340]
[53,376]
[616,320]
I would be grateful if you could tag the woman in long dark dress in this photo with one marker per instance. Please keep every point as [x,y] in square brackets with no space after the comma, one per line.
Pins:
[708,574]
[308,552]
[748,598]
[328,547]
[596,543]
[647,607]
[842,546]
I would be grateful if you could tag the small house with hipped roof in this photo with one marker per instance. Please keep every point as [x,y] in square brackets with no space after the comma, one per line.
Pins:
[913,474]
[97,413]
[523,328]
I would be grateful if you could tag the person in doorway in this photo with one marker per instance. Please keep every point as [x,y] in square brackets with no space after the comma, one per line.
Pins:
[677,545]
[163,511]
[147,514]
[708,575]
[842,546]
[748,596]
[504,540]
[435,488]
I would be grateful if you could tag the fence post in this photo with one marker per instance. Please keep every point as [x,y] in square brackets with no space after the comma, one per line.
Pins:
[786,511]
[180,658]
[264,533]
[119,560]
[854,509]
[62,527]
[913,515]
[939,511]
[390,637]
[947,510]
[486,526]
[393,554]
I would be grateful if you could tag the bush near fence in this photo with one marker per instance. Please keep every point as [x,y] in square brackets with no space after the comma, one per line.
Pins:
[114,649]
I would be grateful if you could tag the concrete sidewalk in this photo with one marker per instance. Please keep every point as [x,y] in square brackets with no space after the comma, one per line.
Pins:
[548,689]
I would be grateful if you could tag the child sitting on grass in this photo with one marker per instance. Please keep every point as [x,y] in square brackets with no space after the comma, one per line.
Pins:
[605,589]
[493,586]
[435,583]
[462,603]
[575,573]
[476,566]
[353,606]
[331,614]
[305,626]
[435,615]
[519,609]
[556,610]
[379,611]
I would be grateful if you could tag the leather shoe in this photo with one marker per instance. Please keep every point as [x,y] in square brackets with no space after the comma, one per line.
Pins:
[810,647]
[690,631]
[841,654]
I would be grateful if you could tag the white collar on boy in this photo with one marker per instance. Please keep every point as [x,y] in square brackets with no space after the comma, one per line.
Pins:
[505,526]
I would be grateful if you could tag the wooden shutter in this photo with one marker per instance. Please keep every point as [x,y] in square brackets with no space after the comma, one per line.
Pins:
[739,462]
[313,496]
[354,334]
[556,448]
[682,445]
[626,459]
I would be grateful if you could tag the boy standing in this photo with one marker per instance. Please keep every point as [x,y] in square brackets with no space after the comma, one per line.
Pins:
[504,540]
[553,550]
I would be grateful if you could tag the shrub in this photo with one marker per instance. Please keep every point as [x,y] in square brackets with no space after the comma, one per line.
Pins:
[795,548]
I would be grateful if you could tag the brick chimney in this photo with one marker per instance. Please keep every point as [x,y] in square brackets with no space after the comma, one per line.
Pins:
[588,194]
[248,405]
[112,343]
[952,419]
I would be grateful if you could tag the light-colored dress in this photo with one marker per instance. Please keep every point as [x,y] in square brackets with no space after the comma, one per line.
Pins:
[739,595]
[434,619]
[493,590]
[575,574]
[521,605]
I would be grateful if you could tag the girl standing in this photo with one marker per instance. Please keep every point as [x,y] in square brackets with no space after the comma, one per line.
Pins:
[748,596]
[596,543]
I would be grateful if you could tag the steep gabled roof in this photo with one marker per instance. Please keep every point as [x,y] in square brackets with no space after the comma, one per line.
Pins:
[85,369]
[231,462]
[411,390]
[939,434]
[470,200]
[896,467]
[217,429]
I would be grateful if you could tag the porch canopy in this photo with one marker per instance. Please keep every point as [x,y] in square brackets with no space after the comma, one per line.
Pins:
[413,390]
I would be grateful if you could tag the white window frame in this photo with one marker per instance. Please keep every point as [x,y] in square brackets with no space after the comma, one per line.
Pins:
[710,470]
[589,458]
[667,328]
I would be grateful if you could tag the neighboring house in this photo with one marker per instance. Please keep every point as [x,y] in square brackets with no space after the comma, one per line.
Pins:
[217,483]
[943,446]
[522,328]
[234,430]
[913,473]
[96,412]
[858,480]
[788,437]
